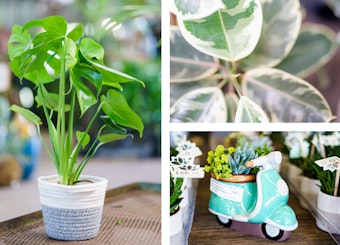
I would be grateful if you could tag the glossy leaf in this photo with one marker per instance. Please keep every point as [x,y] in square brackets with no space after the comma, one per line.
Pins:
[74,31]
[18,41]
[55,25]
[113,125]
[107,138]
[51,100]
[203,105]
[249,112]
[284,97]
[229,34]
[195,9]
[315,46]
[83,137]
[27,114]
[281,25]
[118,110]
[93,55]
[187,64]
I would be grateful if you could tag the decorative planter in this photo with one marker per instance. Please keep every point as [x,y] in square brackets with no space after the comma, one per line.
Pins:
[238,178]
[176,222]
[329,204]
[309,189]
[72,212]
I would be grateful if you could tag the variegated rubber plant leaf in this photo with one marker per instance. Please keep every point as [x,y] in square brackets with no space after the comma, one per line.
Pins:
[284,97]
[203,105]
[315,46]
[195,9]
[229,34]
[249,112]
[280,29]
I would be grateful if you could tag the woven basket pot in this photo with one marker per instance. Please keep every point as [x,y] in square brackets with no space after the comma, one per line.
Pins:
[72,213]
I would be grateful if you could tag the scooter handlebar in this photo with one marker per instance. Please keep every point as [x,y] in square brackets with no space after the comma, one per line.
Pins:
[272,158]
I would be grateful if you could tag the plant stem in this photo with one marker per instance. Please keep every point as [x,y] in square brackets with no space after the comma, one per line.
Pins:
[61,131]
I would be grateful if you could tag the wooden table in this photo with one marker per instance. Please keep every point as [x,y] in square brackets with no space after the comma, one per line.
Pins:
[206,230]
[131,215]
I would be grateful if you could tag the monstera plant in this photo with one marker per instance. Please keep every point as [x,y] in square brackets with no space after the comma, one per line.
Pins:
[244,61]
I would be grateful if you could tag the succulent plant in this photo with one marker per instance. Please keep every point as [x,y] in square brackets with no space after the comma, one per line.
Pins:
[225,161]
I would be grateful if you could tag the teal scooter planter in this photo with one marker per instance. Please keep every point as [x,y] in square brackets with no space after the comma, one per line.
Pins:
[256,208]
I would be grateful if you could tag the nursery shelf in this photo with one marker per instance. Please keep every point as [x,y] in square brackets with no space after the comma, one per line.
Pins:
[132,215]
[206,230]
[328,220]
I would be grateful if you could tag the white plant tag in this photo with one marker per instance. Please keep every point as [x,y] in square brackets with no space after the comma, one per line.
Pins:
[229,192]
[178,172]
[330,163]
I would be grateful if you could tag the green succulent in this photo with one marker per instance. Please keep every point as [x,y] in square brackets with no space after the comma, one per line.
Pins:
[223,162]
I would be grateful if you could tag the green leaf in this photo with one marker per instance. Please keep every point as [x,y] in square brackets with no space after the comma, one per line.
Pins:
[249,112]
[281,18]
[18,42]
[314,47]
[27,114]
[187,64]
[113,125]
[107,138]
[116,107]
[71,50]
[93,56]
[74,32]
[83,137]
[55,25]
[284,97]
[229,34]
[85,96]
[200,105]
[196,9]
[51,100]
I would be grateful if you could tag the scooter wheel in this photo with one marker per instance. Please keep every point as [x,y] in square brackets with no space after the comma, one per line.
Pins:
[224,221]
[271,232]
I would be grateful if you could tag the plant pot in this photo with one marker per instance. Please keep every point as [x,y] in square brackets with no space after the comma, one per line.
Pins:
[238,178]
[294,174]
[176,222]
[309,189]
[329,204]
[72,212]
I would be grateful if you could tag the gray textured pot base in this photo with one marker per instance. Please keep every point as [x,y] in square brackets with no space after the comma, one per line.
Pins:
[72,224]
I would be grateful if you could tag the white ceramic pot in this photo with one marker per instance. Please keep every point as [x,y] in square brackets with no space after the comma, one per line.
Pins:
[294,174]
[331,205]
[176,222]
[309,189]
[72,213]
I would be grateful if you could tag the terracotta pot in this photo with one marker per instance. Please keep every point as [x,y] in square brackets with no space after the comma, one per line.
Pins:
[238,178]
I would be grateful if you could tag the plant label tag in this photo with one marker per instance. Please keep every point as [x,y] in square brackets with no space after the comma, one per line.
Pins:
[178,172]
[229,192]
[330,163]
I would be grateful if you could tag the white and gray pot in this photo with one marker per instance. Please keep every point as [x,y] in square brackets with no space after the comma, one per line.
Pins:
[74,212]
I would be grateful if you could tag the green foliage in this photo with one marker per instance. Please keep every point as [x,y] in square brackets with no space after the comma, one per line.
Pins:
[175,193]
[223,162]
[47,57]
[231,64]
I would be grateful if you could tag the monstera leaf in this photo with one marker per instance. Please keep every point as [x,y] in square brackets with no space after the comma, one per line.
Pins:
[284,97]
[201,105]
[228,34]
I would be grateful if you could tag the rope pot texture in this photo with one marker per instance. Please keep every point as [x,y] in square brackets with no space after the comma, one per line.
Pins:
[72,213]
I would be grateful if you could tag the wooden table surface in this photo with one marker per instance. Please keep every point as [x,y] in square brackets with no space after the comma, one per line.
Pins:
[206,230]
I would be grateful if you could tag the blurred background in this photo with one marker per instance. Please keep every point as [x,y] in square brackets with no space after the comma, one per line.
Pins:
[129,31]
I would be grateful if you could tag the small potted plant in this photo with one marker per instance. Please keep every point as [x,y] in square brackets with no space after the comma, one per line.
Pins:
[176,222]
[58,55]
[247,193]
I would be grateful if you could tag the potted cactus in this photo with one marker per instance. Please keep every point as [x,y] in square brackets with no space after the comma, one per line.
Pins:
[58,55]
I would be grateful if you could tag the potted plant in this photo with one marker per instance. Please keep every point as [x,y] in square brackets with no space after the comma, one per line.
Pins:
[176,221]
[58,54]
[229,62]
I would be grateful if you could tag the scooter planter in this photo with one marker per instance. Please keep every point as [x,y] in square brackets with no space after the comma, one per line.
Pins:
[256,208]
